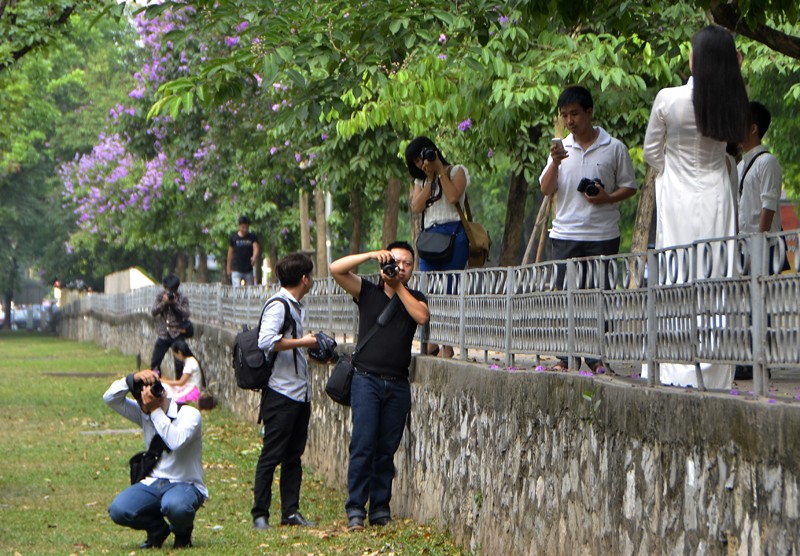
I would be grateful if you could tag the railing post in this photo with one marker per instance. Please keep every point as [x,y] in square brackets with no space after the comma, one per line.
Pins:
[572,269]
[695,258]
[510,289]
[653,372]
[462,308]
[757,244]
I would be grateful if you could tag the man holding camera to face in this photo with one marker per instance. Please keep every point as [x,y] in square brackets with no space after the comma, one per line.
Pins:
[591,172]
[380,394]
[171,310]
[174,488]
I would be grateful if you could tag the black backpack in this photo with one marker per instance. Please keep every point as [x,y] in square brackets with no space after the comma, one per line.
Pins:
[252,369]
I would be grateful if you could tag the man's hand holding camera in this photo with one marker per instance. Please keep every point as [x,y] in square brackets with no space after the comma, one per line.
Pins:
[153,393]
[168,297]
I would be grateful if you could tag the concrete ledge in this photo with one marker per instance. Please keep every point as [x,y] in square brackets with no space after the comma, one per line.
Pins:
[552,463]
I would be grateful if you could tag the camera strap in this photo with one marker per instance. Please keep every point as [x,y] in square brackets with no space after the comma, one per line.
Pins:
[749,165]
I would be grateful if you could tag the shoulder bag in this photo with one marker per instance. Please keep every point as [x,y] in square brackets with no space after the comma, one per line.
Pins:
[478,237]
[341,379]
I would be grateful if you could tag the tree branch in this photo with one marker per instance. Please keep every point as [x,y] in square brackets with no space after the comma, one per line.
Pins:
[17,54]
[729,16]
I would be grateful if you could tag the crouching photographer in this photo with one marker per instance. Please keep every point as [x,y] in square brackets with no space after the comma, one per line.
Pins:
[167,479]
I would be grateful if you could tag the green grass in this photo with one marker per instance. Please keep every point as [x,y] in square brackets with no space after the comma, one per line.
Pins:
[58,476]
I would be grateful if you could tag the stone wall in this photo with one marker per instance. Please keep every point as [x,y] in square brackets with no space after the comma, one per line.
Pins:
[545,463]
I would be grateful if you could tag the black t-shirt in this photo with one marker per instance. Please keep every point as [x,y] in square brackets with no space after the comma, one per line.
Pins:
[388,352]
[242,251]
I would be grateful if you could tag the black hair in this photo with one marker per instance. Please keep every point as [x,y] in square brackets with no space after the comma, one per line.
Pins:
[413,151]
[401,245]
[171,282]
[292,268]
[576,94]
[719,96]
[180,346]
[244,220]
[759,115]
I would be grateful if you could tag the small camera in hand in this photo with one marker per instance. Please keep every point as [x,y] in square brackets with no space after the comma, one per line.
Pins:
[428,154]
[171,296]
[590,186]
[390,269]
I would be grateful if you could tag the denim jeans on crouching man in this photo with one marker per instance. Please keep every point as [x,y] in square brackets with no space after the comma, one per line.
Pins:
[144,507]
[380,408]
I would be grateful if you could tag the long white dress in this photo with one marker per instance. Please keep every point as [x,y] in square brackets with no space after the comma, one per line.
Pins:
[694,198]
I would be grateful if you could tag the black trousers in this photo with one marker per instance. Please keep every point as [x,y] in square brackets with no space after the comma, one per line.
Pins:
[160,350]
[285,436]
[569,249]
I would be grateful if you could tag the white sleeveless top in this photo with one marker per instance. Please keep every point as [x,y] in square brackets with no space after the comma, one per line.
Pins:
[442,212]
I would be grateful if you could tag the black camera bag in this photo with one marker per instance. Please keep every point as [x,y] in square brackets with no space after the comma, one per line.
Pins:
[143,463]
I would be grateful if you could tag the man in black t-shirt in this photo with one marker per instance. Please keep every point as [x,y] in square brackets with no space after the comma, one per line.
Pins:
[243,252]
[381,395]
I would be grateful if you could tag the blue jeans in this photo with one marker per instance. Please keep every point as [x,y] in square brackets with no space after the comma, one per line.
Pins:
[144,507]
[380,408]
[237,277]
[460,250]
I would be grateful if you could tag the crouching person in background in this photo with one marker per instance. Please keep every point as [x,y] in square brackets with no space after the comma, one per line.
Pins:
[173,488]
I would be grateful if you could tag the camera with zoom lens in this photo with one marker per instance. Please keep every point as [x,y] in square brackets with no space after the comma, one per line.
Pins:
[390,269]
[428,153]
[171,295]
[589,186]
[157,389]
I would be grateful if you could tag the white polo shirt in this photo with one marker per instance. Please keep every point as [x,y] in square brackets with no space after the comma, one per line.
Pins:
[577,219]
[761,189]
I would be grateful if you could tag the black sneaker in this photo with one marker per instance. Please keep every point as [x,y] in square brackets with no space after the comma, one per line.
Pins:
[155,540]
[380,521]
[355,523]
[298,520]
[183,541]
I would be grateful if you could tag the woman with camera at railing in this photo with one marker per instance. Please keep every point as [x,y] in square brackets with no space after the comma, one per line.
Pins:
[439,187]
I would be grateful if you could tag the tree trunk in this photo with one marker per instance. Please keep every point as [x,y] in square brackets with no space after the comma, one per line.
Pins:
[181,262]
[643,233]
[515,217]
[273,262]
[9,295]
[305,227]
[202,267]
[321,269]
[416,223]
[390,211]
[355,210]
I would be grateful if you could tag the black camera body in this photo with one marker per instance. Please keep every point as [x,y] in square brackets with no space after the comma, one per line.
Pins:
[589,186]
[389,269]
[428,153]
[171,295]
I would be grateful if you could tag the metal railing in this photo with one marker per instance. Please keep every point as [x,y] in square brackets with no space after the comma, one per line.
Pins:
[713,301]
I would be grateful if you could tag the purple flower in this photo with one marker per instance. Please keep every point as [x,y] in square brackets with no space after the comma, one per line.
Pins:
[585,373]
[324,136]
[297,157]
[231,41]
[273,150]
[772,400]
[490,153]
[540,368]
[242,26]
[442,38]
[734,392]
[494,367]
[442,56]
[465,125]
[503,20]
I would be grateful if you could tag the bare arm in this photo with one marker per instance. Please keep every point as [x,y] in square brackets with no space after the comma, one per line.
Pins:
[549,180]
[342,270]
[256,253]
[416,308]
[229,264]
[765,220]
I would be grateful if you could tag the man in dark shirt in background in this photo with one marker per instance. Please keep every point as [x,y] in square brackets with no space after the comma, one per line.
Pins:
[243,253]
